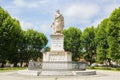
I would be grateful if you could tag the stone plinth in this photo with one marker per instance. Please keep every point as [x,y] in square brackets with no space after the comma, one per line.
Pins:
[57,42]
[57,56]
[56,60]
[57,68]
[60,73]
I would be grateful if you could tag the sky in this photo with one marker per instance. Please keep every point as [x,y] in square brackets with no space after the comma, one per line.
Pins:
[39,14]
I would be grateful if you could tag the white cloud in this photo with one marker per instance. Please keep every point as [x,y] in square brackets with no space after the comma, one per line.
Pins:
[96,22]
[26,25]
[30,4]
[38,26]
[103,1]
[45,28]
[82,10]
[109,8]
[23,3]
[75,14]
[80,14]
[106,11]
[20,3]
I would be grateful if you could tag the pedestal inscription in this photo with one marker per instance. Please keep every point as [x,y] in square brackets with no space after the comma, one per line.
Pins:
[57,42]
[55,57]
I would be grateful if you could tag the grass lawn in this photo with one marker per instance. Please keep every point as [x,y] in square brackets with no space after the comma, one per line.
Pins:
[93,68]
[104,68]
[12,69]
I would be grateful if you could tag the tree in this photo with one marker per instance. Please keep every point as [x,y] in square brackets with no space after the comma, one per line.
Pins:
[3,16]
[17,45]
[89,44]
[33,43]
[47,48]
[102,44]
[113,30]
[14,40]
[9,36]
[72,41]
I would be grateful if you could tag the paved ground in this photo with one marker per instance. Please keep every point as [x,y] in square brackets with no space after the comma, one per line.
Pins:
[101,75]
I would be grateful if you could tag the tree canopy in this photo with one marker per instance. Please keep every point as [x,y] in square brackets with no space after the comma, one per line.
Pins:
[89,44]
[17,45]
[102,43]
[72,41]
[113,31]
[96,44]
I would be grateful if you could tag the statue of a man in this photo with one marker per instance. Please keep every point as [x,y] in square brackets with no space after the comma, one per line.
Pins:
[58,23]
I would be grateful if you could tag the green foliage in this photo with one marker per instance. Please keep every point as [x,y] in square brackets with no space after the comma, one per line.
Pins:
[108,38]
[72,41]
[89,44]
[33,44]
[30,46]
[104,68]
[9,37]
[113,30]
[17,45]
[102,44]
[46,49]
[12,69]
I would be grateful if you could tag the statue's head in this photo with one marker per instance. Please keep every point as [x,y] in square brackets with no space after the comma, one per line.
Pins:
[58,11]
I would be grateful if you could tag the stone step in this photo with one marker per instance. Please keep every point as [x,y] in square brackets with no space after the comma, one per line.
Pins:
[56,73]
[29,72]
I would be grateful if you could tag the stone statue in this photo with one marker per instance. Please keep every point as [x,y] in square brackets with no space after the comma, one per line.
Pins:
[58,24]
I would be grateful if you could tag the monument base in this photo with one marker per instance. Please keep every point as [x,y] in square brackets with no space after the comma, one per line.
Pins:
[56,73]
[68,73]
[57,68]
[29,72]
[56,60]
[57,56]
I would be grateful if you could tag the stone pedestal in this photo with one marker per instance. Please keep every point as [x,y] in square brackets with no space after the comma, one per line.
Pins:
[57,58]
[57,41]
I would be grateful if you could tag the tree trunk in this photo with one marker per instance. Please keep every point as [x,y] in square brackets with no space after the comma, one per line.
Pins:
[15,64]
[21,62]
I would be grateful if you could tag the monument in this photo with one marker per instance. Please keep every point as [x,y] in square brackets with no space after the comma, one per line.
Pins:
[57,61]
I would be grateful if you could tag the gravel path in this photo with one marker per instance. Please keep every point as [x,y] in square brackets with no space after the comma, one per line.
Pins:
[101,75]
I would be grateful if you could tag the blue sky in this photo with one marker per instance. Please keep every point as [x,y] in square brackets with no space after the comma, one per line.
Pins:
[39,14]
